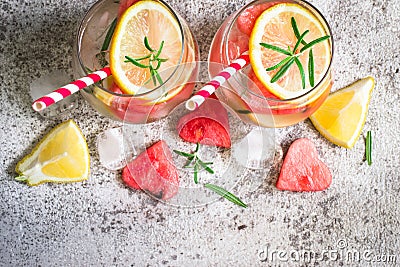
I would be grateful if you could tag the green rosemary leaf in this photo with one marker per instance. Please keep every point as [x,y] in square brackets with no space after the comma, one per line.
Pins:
[195,172]
[244,111]
[275,48]
[283,62]
[147,45]
[158,77]
[159,50]
[226,194]
[195,162]
[204,165]
[299,40]
[141,58]
[296,30]
[109,35]
[368,148]
[283,70]
[311,68]
[181,153]
[312,43]
[134,62]
[303,77]
[158,65]
[162,59]
[152,74]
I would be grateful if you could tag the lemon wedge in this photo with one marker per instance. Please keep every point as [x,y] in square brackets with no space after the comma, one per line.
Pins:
[62,156]
[341,117]
[149,19]
[273,26]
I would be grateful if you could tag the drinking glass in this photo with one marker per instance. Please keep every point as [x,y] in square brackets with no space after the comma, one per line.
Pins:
[244,95]
[149,104]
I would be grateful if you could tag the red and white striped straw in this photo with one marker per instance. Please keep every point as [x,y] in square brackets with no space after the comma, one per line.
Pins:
[207,90]
[70,88]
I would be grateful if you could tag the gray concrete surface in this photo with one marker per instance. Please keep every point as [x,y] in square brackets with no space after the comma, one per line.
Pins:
[102,223]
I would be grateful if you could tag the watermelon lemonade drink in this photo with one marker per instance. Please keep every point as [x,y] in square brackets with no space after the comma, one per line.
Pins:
[290,47]
[150,52]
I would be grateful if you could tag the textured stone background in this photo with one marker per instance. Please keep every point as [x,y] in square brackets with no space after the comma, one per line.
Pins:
[101,222]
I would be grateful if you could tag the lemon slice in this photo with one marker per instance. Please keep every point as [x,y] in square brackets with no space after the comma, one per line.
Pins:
[342,116]
[149,19]
[62,156]
[274,27]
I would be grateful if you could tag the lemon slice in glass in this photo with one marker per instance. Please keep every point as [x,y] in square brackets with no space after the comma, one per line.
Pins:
[149,19]
[62,156]
[341,117]
[274,27]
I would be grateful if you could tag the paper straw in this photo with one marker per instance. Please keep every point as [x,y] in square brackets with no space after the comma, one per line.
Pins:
[207,90]
[69,89]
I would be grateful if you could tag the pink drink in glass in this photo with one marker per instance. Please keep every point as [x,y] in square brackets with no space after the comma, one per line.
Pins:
[106,97]
[252,101]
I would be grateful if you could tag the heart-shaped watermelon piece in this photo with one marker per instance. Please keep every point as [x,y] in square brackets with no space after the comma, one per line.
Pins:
[302,169]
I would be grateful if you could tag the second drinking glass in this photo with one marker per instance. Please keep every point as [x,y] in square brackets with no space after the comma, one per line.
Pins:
[275,33]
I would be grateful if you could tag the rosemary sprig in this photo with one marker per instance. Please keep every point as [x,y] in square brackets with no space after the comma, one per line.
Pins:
[368,148]
[303,77]
[277,49]
[283,62]
[310,55]
[101,57]
[299,40]
[195,163]
[311,68]
[283,70]
[109,35]
[154,61]
[296,30]
[147,45]
[135,62]
[314,42]
[294,54]
[226,194]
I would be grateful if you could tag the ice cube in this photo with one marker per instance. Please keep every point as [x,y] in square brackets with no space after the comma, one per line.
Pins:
[257,149]
[114,153]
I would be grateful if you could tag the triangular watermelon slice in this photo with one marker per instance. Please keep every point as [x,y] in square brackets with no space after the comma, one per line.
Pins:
[207,125]
[153,171]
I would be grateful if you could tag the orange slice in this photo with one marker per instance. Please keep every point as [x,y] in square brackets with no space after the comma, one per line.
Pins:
[274,27]
[149,19]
